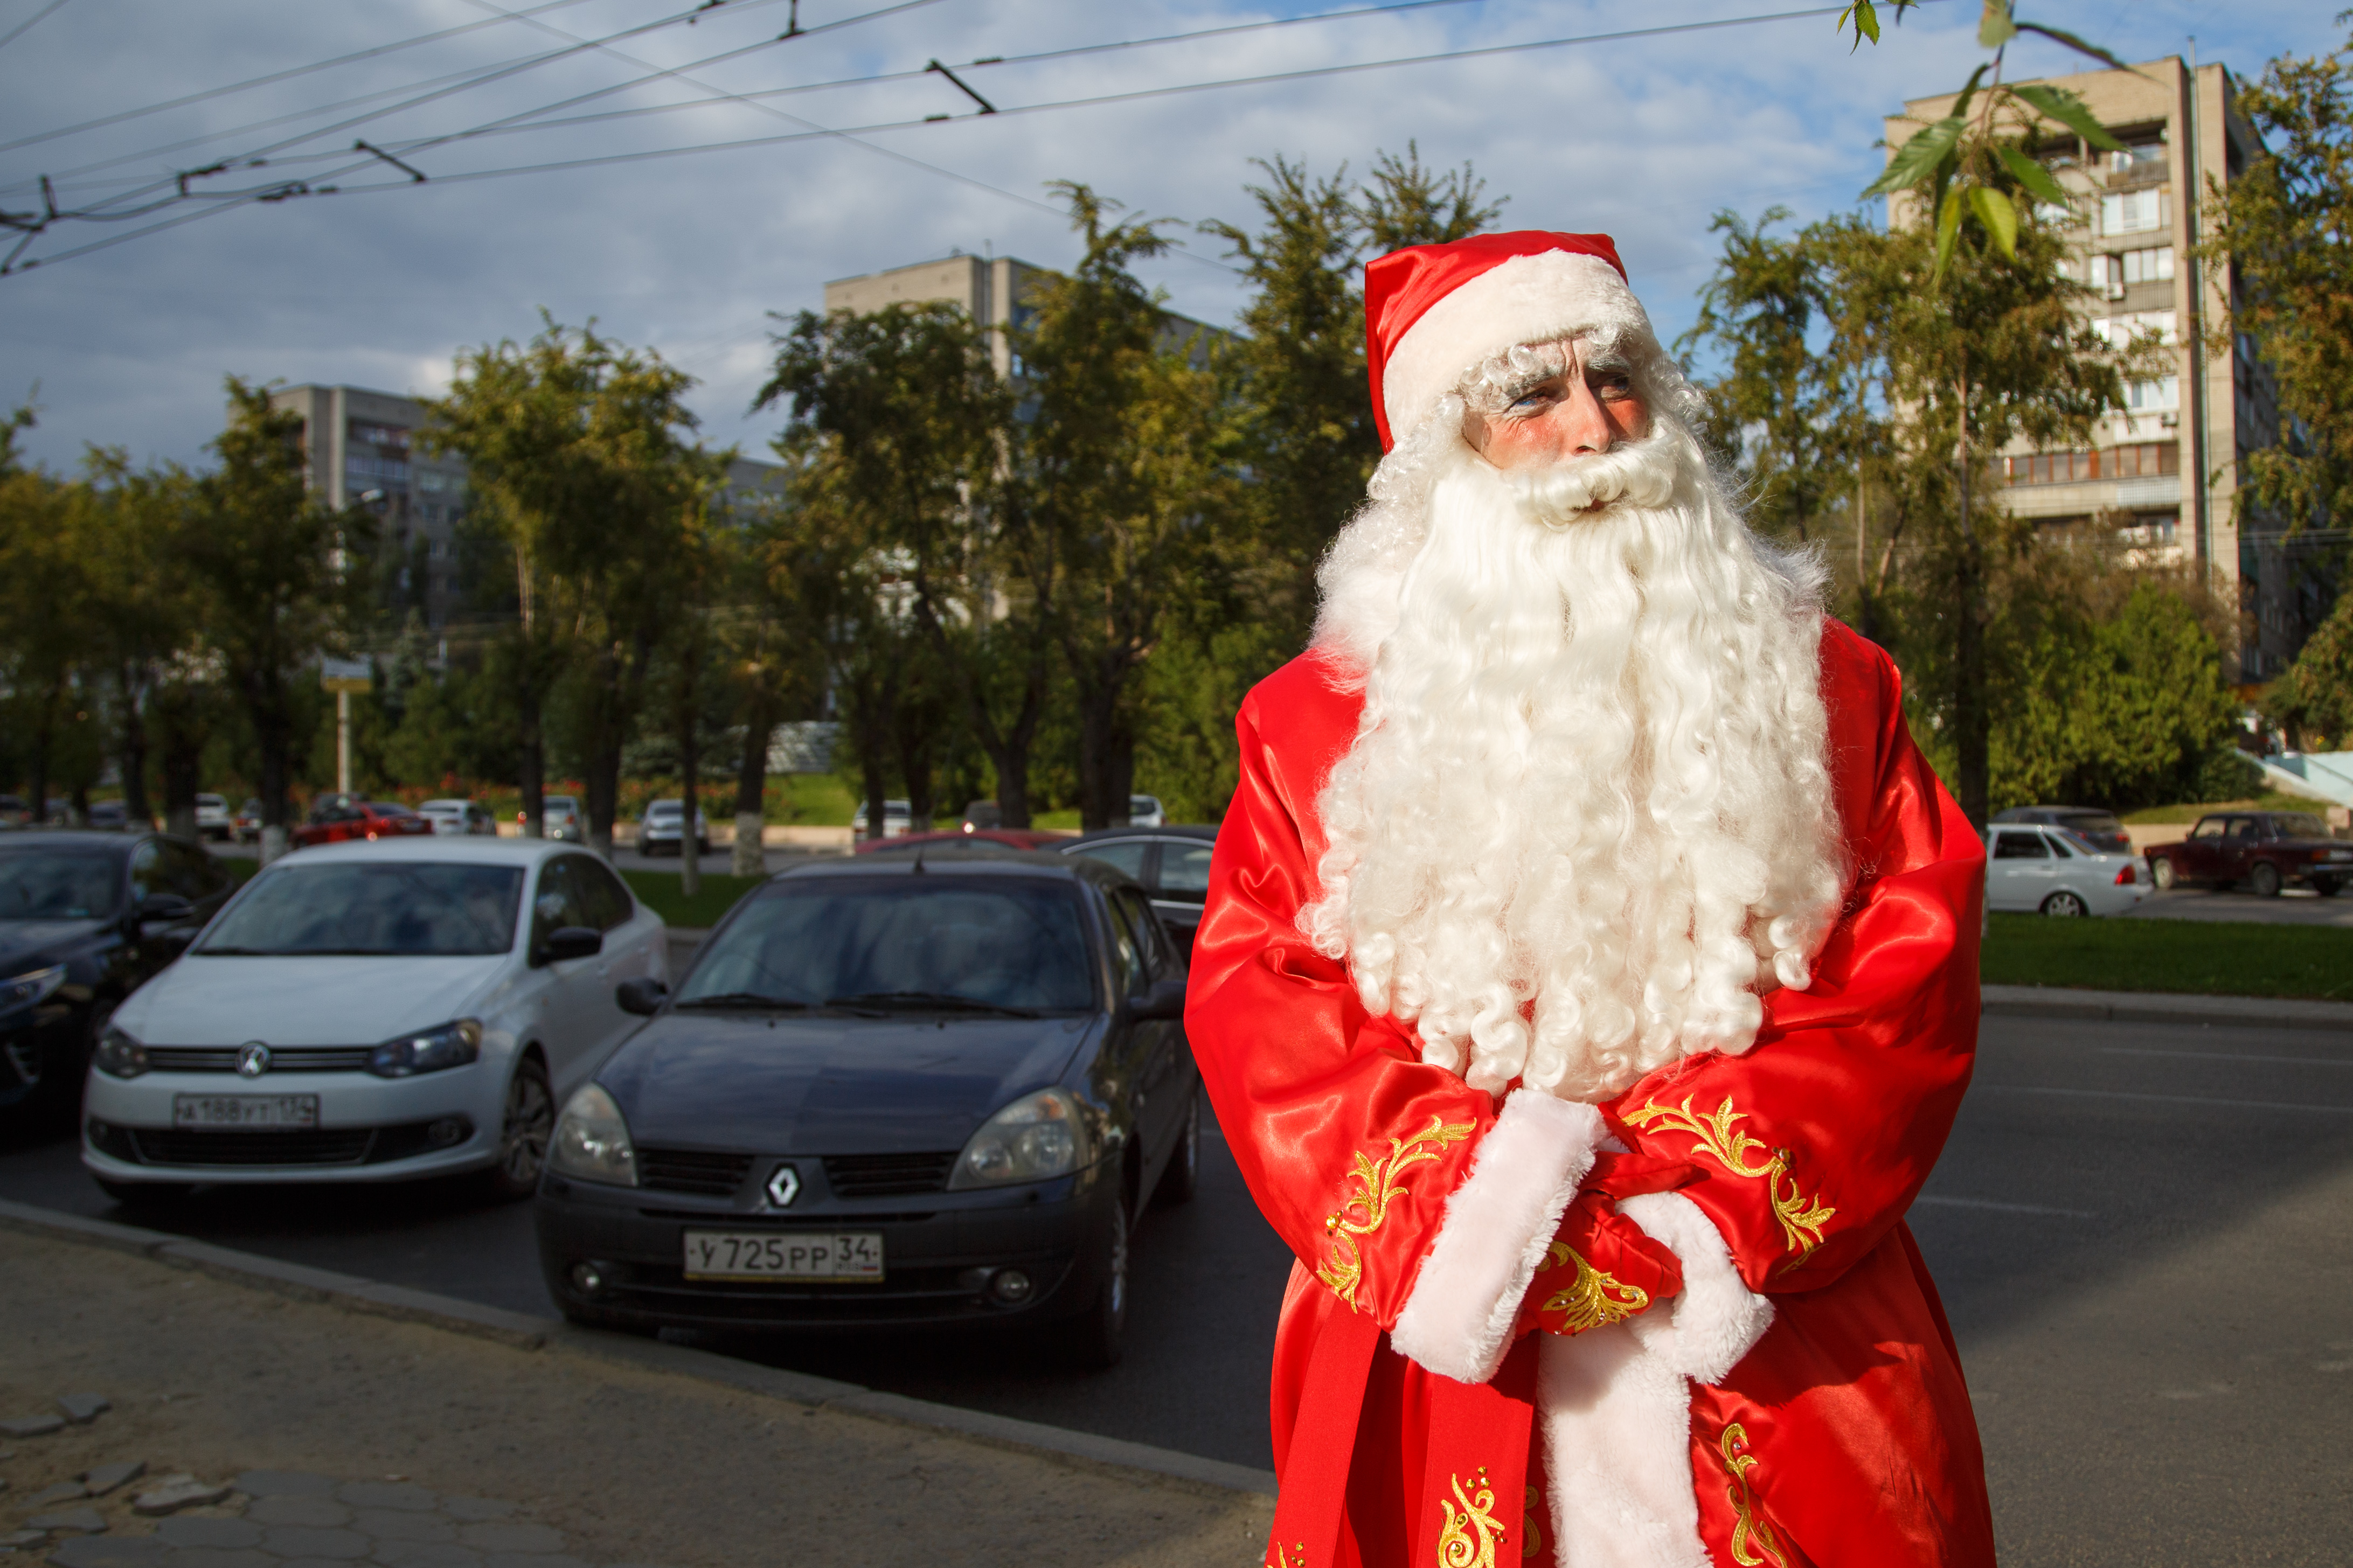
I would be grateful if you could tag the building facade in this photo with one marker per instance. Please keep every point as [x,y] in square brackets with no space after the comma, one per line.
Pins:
[2164,470]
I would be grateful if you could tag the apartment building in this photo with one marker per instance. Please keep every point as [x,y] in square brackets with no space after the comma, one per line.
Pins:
[2166,469]
[364,451]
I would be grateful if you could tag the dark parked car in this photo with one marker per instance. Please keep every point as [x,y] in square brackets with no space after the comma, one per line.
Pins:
[2100,828]
[1002,837]
[1173,863]
[85,919]
[336,817]
[2264,849]
[893,1090]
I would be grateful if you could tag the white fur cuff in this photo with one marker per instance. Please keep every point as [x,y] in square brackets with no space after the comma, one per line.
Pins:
[1458,1320]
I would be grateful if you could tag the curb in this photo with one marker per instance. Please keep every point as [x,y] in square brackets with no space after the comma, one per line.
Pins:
[2159,1007]
[525,1332]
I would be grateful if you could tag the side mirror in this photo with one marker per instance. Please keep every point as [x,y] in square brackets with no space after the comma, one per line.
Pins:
[1164,999]
[571,942]
[643,996]
[165,908]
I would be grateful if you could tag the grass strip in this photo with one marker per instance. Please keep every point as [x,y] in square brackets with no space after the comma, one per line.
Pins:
[2206,958]
[658,891]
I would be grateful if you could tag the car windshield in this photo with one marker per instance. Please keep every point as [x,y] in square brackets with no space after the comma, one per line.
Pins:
[2300,824]
[933,941]
[48,884]
[2098,822]
[2081,844]
[400,909]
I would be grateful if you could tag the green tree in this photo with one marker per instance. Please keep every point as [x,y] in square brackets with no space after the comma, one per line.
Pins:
[45,591]
[2313,698]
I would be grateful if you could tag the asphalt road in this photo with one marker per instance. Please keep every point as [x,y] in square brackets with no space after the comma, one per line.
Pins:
[2140,1231]
[2293,907]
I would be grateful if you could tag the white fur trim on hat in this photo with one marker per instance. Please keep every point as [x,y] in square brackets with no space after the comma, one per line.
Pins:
[1536,298]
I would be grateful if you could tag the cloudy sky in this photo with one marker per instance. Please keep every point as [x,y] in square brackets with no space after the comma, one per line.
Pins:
[378,283]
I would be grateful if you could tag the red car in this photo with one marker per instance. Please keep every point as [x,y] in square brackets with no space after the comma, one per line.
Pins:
[335,817]
[2264,849]
[1011,837]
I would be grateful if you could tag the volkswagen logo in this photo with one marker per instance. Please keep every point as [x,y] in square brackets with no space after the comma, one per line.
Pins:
[784,1186]
[252,1060]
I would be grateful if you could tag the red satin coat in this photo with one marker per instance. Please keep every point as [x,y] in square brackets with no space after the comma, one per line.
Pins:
[1846,1435]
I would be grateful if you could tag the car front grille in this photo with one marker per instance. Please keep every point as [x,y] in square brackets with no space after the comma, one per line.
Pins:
[887,1175]
[282,1058]
[321,1147]
[693,1171]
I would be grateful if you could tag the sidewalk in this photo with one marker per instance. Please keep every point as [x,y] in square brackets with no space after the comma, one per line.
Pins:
[2168,1007]
[299,1432]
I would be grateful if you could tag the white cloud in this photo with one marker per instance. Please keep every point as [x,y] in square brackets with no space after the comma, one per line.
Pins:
[1644,138]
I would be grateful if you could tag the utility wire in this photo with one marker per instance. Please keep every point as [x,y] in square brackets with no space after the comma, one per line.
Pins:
[21,29]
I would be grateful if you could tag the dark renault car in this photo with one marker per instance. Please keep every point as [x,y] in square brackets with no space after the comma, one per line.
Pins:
[895,1090]
[85,919]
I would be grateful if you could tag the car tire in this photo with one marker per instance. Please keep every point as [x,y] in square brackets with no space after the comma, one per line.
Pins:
[1099,1335]
[2263,879]
[144,1197]
[1182,1177]
[525,1125]
[2162,872]
[2326,886]
[2064,905]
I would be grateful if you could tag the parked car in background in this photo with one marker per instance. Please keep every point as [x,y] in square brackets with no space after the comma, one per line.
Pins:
[1002,837]
[897,818]
[369,1012]
[2101,828]
[337,818]
[457,817]
[560,819]
[14,812]
[662,826]
[213,819]
[85,919]
[108,817]
[1171,863]
[2058,871]
[2265,849]
[246,826]
[1144,811]
[884,1099]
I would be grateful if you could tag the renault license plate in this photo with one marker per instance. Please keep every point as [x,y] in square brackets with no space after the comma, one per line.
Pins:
[782,1255]
[242,1111]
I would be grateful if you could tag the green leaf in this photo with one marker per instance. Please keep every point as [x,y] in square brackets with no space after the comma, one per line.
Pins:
[1931,147]
[1948,229]
[1994,27]
[2000,218]
[1866,23]
[2064,107]
[1961,104]
[2080,45]
[2033,178]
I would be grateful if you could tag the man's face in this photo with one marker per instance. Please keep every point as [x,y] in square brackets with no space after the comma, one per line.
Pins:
[1586,409]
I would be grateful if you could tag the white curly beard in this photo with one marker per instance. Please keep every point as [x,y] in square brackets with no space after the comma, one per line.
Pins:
[1585,818]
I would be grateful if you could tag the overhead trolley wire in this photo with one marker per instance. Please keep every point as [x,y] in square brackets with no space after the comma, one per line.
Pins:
[27,26]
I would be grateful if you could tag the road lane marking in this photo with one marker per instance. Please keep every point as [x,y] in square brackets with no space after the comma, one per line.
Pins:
[2227,1056]
[2003,1207]
[2163,1099]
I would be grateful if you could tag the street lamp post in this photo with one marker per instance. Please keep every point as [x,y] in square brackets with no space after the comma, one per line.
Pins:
[343,676]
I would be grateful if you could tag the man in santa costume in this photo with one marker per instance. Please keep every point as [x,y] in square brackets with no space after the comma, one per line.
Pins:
[1587,985]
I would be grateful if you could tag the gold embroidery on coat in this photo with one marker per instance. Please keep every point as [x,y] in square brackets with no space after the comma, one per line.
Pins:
[1531,1527]
[1802,1218]
[1593,1299]
[1282,1559]
[1750,1534]
[1378,1186]
[1468,1539]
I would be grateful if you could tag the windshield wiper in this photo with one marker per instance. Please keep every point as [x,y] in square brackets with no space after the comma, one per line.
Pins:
[929,1000]
[749,999]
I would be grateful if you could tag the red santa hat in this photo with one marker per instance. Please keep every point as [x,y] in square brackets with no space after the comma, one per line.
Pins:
[1432,311]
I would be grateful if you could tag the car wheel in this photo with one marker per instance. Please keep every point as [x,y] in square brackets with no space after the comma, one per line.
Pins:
[146,1196]
[1100,1331]
[1182,1178]
[2326,886]
[2064,905]
[523,1131]
[2162,872]
[2264,880]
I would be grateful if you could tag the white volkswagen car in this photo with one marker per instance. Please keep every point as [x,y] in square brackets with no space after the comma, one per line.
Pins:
[370,1012]
[2057,871]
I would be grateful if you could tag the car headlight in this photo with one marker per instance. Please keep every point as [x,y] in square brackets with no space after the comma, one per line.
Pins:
[428,1050]
[120,1055]
[1038,1136]
[592,1141]
[26,989]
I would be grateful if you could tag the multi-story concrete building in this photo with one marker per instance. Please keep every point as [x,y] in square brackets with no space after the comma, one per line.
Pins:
[2165,471]
[364,452]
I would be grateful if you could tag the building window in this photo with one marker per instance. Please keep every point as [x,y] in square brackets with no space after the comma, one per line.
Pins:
[2150,397]
[390,436]
[2144,459]
[2153,265]
[2119,331]
[2132,212]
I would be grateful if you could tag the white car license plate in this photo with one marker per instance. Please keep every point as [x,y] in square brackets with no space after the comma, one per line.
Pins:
[782,1255]
[244,1111]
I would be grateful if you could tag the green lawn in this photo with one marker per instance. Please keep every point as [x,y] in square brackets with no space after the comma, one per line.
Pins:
[658,891]
[2201,957]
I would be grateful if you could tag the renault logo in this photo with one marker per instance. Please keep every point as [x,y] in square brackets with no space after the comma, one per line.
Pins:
[252,1060]
[784,1186]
